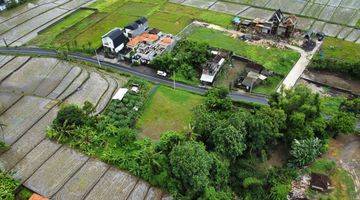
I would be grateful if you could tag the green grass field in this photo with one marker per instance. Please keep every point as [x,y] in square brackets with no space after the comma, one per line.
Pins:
[277,60]
[268,86]
[167,110]
[340,49]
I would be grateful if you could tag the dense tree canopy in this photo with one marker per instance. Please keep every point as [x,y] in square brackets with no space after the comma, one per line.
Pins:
[191,164]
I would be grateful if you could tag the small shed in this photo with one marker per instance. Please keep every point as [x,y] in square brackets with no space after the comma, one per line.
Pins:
[120,94]
[320,182]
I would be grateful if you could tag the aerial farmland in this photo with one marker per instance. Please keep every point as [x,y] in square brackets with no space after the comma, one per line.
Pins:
[179,99]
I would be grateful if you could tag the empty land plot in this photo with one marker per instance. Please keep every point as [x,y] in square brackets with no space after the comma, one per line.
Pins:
[312,10]
[260,3]
[229,8]
[83,181]
[304,23]
[204,4]
[56,171]
[53,79]
[277,60]
[23,29]
[253,13]
[335,3]
[21,18]
[332,29]
[153,194]
[113,185]
[5,59]
[344,32]
[169,22]
[167,110]
[340,50]
[34,159]
[113,85]
[318,26]
[291,6]
[327,12]
[355,4]
[27,142]
[91,91]
[353,36]
[22,116]
[140,191]
[12,66]
[65,83]
[29,76]
[47,36]
[77,83]
[7,99]
[343,15]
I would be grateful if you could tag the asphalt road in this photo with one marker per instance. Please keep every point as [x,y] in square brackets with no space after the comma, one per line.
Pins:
[122,68]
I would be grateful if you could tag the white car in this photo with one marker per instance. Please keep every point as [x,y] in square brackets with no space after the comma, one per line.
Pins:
[161,73]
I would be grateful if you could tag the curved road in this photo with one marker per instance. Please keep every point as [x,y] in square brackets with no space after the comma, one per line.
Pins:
[122,68]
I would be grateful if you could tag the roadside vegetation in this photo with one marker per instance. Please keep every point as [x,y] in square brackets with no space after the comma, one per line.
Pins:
[82,30]
[222,155]
[167,110]
[338,56]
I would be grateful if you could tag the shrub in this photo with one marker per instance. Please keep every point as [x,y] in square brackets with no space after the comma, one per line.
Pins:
[305,151]
[342,123]
[69,117]
[7,186]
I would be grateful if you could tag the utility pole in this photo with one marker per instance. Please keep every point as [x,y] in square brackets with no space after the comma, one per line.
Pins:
[5,42]
[97,58]
[174,81]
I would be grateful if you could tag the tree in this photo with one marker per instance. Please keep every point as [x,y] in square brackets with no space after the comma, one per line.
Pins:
[228,140]
[264,128]
[168,141]
[342,123]
[190,163]
[69,117]
[305,151]
[219,172]
[217,100]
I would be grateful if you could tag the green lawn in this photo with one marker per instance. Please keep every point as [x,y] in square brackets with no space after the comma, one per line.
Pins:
[277,60]
[340,50]
[167,110]
[330,105]
[268,86]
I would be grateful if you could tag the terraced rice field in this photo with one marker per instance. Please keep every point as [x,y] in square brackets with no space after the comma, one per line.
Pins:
[334,15]
[22,24]
[31,91]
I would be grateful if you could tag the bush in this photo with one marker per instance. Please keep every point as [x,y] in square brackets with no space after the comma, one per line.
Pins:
[69,117]
[7,186]
[342,123]
[305,151]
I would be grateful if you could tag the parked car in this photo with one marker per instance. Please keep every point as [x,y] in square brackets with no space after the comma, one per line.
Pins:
[161,73]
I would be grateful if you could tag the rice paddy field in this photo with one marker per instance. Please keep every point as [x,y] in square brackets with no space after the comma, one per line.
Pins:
[167,110]
[82,30]
[334,15]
